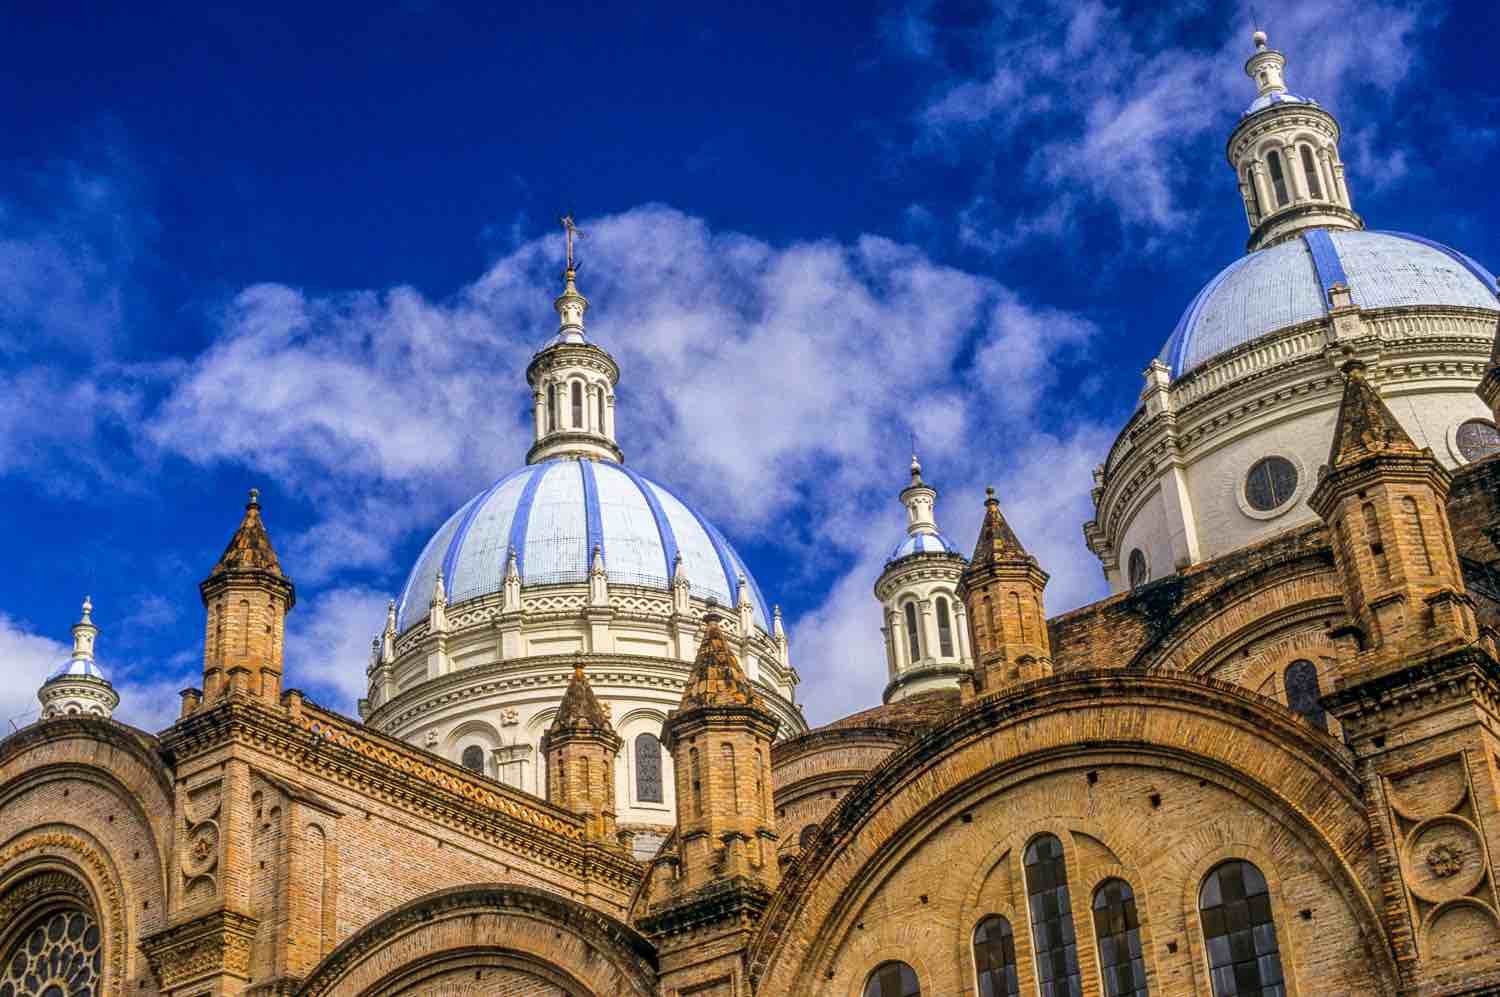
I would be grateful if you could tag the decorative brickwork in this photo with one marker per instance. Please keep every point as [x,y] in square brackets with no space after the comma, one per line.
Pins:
[1002,593]
[582,748]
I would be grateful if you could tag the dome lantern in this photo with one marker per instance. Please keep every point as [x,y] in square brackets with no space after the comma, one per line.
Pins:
[1285,154]
[572,380]
[78,687]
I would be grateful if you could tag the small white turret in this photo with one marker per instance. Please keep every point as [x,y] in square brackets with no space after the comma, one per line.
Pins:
[78,687]
[437,609]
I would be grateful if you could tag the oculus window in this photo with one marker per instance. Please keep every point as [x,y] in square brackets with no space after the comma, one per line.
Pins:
[1271,483]
[1478,439]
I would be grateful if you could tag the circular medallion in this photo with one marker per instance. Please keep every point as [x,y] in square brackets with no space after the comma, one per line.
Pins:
[1443,859]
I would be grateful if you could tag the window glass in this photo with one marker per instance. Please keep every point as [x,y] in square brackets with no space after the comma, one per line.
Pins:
[473,758]
[62,953]
[995,958]
[1302,692]
[577,405]
[945,629]
[1310,170]
[913,640]
[1052,919]
[1278,178]
[1478,439]
[647,768]
[1239,932]
[1138,569]
[1118,933]
[893,979]
[1271,482]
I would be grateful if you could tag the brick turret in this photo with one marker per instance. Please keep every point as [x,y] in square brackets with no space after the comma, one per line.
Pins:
[247,598]
[1384,500]
[1002,592]
[581,750]
[725,863]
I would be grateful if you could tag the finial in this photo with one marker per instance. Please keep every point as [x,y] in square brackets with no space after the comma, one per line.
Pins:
[578,664]
[254,499]
[571,232]
[989,495]
[1354,369]
[1259,39]
[711,614]
[88,607]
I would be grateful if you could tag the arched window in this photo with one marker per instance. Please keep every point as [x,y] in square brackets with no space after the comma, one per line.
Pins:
[1302,692]
[600,398]
[1256,210]
[1138,569]
[1416,531]
[61,953]
[1310,170]
[473,758]
[1278,177]
[893,979]
[577,405]
[551,408]
[1239,931]
[1118,933]
[913,640]
[807,836]
[733,780]
[647,768]
[945,629]
[995,958]
[1052,919]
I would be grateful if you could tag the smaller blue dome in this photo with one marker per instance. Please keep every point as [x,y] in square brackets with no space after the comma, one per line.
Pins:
[1266,100]
[78,668]
[924,542]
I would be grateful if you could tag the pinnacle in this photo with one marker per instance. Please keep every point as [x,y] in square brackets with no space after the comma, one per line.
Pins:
[717,679]
[997,541]
[1365,425]
[580,707]
[250,548]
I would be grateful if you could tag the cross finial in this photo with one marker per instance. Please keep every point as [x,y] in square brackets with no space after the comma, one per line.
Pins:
[570,233]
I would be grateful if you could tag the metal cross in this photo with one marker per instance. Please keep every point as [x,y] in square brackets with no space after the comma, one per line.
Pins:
[570,232]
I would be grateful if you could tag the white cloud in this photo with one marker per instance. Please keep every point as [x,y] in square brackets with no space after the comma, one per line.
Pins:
[28,659]
[328,645]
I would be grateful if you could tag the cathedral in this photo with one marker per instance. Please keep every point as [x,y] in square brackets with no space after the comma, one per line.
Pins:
[1268,763]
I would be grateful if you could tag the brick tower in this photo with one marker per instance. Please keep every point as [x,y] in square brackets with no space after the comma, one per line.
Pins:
[1417,695]
[247,598]
[581,750]
[1002,592]
[725,865]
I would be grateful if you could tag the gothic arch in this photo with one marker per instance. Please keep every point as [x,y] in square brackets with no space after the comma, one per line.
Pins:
[1045,738]
[493,926]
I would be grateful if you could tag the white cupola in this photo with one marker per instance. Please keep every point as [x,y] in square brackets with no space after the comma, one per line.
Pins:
[1285,154]
[926,633]
[78,687]
[573,381]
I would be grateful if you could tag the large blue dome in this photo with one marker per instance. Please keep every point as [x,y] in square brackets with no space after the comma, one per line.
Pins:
[1288,283]
[553,514]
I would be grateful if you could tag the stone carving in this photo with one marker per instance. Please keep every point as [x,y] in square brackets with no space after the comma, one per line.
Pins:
[432,739]
[509,717]
[216,945]
[1444,860]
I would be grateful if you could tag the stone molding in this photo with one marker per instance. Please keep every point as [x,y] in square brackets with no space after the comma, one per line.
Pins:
[383,768]
[217,944]
[99,880]
[626,951]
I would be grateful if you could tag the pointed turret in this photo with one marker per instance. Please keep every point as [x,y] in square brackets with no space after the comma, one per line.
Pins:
[582,747]
[717,678]
[78,687]
[246,597]
[1002,593]
[1385,501]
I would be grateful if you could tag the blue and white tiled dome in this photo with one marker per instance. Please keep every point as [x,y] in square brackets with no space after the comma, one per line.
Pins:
[1266,100]
[923,542]
[553,514]
[1288,283]
[77,667]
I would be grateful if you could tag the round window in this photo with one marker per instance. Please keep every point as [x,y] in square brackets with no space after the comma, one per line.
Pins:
[1478,439]
[1138,570]
[1270,483]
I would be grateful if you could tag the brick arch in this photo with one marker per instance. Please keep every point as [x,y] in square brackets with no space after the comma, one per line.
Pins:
[497,926]
[1254,749]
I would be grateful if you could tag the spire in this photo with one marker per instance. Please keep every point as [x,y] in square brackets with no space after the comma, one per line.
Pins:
[1365,426]
[717,679]
[580,707]
[84,633]
[920,500]
[997,541]
[250,548]
[1266,66]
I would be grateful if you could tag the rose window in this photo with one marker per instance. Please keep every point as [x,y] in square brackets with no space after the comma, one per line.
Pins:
[60,956]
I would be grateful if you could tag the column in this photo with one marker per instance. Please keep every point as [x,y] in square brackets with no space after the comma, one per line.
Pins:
[890,650]
[930,643]
[609,416]
[961,632]
[540,398]
[1293,163]
[1338,176]
[588,408]
[899,639]
[1263,188]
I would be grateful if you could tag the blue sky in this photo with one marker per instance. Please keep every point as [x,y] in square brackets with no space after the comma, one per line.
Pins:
[310,249]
